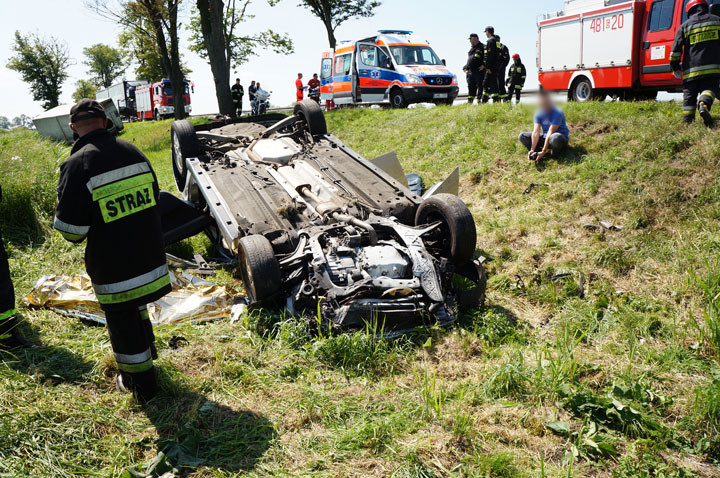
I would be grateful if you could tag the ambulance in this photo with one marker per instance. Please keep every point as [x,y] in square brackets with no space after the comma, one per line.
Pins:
[393,67]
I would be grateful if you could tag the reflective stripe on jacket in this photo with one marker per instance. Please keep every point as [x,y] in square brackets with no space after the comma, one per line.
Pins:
[696,50]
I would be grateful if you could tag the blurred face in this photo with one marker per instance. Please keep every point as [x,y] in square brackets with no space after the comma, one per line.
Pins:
[315,76]
[488,34]
[86,126]
[545,102]
[474,41]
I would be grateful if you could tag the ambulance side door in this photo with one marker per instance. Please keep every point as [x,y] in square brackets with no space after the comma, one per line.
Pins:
[342,79]
[375,69]
[326,69]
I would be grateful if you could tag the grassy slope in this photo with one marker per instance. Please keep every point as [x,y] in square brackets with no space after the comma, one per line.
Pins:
[474,401]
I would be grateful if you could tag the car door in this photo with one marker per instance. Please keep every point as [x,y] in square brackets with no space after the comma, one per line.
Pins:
[326,73]
[374,70]
[659,29]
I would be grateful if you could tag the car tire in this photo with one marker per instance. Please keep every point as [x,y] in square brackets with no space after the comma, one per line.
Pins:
[259,268]
[581,90]
[184,145]
[457,236]
[313,114]
[397,99]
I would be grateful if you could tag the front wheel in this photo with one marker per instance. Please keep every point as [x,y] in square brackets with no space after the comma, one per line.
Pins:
[581,90]
[259,268]
[456,236]
[397,99]
[184,145]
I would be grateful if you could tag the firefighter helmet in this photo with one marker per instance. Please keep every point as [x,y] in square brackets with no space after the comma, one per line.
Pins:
[694,3]
[516,56]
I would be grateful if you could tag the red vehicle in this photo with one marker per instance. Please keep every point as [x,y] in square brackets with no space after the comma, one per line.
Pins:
[156,101]
[621,48]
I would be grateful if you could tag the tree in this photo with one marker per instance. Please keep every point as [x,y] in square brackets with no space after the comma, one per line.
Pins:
[215,37]
[85,89]
[22,120]
[105,64]
[334,13]
[156,19]
[43,63]
[5,123]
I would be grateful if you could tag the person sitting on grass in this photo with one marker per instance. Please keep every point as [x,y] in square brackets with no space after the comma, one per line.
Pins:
[550,134]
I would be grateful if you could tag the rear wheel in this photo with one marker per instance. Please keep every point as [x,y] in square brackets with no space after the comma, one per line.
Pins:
[259,268]
[313,114]
[397,99]
[456,236]
[184,145]
[581,90]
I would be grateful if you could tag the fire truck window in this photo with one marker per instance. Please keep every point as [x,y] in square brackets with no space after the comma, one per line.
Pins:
[326,68]
[661,15]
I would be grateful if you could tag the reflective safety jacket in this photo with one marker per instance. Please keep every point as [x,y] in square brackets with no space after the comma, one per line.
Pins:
[517,75]
[237,92]
[108,193]
[504,56]
[492,54]
[697,44]
[476,58]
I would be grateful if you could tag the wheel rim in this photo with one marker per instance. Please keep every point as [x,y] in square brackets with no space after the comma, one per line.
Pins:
[178,153]
[397,99]
[582,91]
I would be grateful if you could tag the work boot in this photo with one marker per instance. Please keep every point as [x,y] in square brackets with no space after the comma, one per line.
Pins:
[15,340]
[142,385]
[705,115]
[689,119]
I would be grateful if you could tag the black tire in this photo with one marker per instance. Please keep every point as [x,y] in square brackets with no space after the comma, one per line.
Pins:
[156,116]
[259,268]
[456,237]
[184,145]
[397,99]
[581,90]
[313,114]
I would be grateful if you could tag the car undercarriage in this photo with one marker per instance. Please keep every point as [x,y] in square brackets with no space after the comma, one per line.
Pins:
[322,232]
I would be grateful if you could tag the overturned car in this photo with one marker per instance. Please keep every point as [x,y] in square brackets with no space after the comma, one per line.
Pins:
[321,231]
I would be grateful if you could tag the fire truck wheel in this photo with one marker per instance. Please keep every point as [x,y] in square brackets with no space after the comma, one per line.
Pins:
[581,90]
[313,114]
[397,99]
[184,145]
[456,236]
[259,268]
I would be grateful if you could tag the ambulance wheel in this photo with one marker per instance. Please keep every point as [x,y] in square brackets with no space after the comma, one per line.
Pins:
[259,268]
[397,99]
[456,236]
[184,145]
[581,90]
[313,114]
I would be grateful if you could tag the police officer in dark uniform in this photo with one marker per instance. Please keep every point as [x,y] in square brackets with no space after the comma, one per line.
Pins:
[237,91]
[492,66]
[517,75]
[504,61]
[695,57]
[474,67]
[107,194]
[10,336]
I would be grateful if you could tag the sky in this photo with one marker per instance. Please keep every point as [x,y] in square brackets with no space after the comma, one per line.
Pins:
[444,24]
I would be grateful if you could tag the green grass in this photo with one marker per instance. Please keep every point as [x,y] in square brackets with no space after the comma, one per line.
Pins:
[597,354]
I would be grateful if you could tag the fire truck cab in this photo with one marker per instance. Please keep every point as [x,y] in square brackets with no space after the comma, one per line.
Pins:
[156,101]
[392,66]
[621,48]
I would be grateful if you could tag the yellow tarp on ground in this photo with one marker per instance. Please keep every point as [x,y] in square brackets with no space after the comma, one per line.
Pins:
[191,299]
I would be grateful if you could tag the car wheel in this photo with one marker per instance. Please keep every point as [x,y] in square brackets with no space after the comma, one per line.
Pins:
[259,268]
[582,90]
[456,237]
[313,114]
[397,99]
[184,145]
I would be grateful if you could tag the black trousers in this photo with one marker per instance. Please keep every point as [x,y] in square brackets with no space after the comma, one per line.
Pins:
[7,294]
[474,79]
[706,88]
[238,106]
[514,90]
[133,343]
[490,87]
[558,143]
[501,85]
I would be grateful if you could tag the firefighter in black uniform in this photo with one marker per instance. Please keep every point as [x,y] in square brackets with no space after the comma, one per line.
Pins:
[516,81]
[492,65]
[108,193]
[504,61]
[695,57]
[10,336]
[474,68]
[237,91]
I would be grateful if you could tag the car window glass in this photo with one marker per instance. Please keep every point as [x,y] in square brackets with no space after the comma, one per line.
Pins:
[368,55]
[342,64]
[661,15]
[384,60]
[326,68]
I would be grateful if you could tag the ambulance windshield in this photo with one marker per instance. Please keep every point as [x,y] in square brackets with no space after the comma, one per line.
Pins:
[414,55]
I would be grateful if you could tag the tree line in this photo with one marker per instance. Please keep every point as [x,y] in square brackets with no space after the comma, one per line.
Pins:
[150,40]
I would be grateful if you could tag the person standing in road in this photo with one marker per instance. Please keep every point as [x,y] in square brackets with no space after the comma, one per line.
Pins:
[695,57]
[504,55]
[516,80]
[299,88]
[107,194]
[474,68]
[237,91]
[492,65]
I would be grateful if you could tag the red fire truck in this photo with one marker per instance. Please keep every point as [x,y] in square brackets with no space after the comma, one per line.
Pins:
[621,48]
[156,101]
